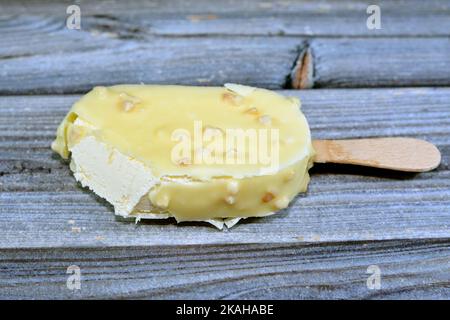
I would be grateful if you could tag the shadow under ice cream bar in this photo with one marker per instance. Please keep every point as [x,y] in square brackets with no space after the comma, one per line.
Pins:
[215,154]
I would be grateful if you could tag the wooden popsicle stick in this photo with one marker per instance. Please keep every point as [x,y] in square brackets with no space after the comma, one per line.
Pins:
[402,154]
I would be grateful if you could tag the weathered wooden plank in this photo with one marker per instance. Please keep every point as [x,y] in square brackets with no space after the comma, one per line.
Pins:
[234,17]
[184,43]
[41,205]
[77,66]
[381,62]
[408,270]
[79,62]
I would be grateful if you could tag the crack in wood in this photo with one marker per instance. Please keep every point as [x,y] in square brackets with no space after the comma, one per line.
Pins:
[302,74]
[112,26]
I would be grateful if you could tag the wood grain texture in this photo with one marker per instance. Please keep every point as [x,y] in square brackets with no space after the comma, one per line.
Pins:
[42,206]
[381,62]
[234,17]
[258,61]
[409,270]
[401,154]
[81,64]
[117,45]
[319,247]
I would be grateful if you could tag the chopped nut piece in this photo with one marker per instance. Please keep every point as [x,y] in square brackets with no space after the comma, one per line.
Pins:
[183,162]
[230,200]
[253,111]
[163,202]
[128,105]
[268,197]
[102,91]
[128,102]
[232,98]
[289,175]
[233,187]
[240,89]
[282,202]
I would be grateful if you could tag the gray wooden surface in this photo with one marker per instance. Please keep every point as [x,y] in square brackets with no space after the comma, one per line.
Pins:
[39,55]
[343,204]
[236,17]
[409,270]
[322,245]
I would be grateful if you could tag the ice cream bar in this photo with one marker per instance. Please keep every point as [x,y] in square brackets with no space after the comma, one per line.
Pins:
[215,154]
